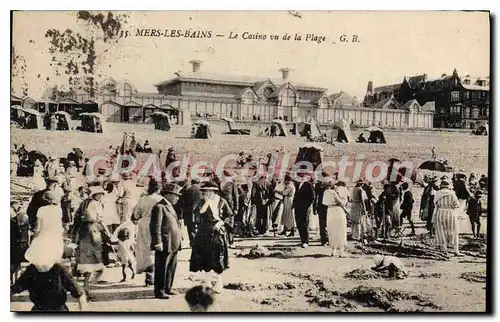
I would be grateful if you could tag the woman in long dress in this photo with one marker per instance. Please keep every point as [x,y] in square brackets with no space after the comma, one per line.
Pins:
[336,220]
[48,230]
[358,212]
[90,236]
[445,218]
[288,217]
[210,246]
[277,206]
[145,257]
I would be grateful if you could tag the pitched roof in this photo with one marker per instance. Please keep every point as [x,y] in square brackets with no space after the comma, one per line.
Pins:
[244,90]
[407,105]
[386,88]
[429,106]
[413,81]
[386,103]
[67,100]
[149,95]
[240,80]
[476,87]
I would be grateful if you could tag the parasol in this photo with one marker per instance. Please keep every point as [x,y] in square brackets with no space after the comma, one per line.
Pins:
[433,165]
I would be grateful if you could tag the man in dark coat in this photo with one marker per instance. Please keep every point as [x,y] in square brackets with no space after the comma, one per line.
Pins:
[407,206]
[261,198]
[303,199]
[166,237]
[321,209]
[37,201]
[190,199]
[427,204]
[229,191]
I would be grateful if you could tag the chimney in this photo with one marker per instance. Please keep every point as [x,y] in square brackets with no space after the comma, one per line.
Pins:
[285,72]
[196,65]
[369,88]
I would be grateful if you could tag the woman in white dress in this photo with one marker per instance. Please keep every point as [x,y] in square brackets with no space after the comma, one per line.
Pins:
[288,217]
[111,217]
[336,222]
[49,229]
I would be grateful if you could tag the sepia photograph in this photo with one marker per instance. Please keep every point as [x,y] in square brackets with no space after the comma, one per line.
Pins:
[250,161]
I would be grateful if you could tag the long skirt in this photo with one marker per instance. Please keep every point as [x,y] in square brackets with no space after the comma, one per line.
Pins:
[288,217]
[277,213]
[145,257]
[356,212]
[447,228]
[210,250]
[336,225]
[90,248]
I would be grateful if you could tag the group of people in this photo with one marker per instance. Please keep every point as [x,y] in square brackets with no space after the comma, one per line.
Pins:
[141,227]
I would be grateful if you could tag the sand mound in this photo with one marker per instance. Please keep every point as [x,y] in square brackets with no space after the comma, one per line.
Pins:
[407,250]
[261,252]
[430,275]
[260,287]
[477,277]
[362,274]
[387,300]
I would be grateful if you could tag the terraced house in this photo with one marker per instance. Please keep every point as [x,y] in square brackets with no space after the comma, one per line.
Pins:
[458,102]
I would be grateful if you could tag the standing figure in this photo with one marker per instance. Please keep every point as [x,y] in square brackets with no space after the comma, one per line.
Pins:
[38,179]
[427,204]
[166,237]
[19,239]
[382,221]
[336,201]
[475,209]
[130,196]
[126,250]
[90,235]
[210,247]
[145,257]
[261,198]
[321,208]
[288,218]
[462,192]
[407,206]
[445,218]
[190,199]
[302,202]
[277,205]
[358,212]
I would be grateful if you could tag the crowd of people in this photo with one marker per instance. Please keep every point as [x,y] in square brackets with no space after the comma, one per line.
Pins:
[105,223]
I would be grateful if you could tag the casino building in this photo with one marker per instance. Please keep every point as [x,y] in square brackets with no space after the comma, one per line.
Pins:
[241,97]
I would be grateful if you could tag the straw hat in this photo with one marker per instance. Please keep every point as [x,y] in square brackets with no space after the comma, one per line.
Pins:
[378,259]
[172,188]
[97,190]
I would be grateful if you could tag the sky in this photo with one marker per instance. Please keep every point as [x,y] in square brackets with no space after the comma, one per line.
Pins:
[391,45]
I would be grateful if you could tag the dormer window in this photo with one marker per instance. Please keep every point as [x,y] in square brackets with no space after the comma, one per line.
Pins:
[467,81]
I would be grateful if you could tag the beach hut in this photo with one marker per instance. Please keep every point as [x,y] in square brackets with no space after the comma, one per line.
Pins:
[33,119]
[375,135]
[482,130]
[132,112]
[341,132]
[310,152]
[92,122]
[201,130]
[280,126]
[63,120]
[161,121]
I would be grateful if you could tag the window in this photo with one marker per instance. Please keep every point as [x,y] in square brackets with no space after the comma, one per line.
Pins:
[455,96]
[467,95]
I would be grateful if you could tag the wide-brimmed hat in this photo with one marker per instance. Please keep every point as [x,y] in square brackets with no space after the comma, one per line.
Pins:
[171,188]
[94,190]
[210,185]
[377,259]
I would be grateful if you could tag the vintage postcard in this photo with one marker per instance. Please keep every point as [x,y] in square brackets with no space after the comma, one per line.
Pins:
[244,161]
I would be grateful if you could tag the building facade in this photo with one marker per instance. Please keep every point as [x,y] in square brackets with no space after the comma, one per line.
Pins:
[459,102]
[239,97]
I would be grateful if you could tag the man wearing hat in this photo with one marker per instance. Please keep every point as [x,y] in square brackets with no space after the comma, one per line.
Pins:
[427,203]
[166,237]
[37,201]
[320,188]
[303,200]
[190,199]
[475,209]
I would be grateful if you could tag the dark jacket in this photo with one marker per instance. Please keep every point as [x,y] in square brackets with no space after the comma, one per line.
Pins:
[475,208]
[407,202]
[461,190]
[190,199]
[319,191]
[165,228]
[225,213]
[304,197]
[230,192]
[36,203]
[261,194]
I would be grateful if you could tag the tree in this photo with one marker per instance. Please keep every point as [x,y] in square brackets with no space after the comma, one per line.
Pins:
[18,70]
[76,54]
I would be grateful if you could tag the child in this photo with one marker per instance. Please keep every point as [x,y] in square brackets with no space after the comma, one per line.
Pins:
[125,250]
[48,282]
[379,213]
[475,209]
[390,264]
[200,298]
